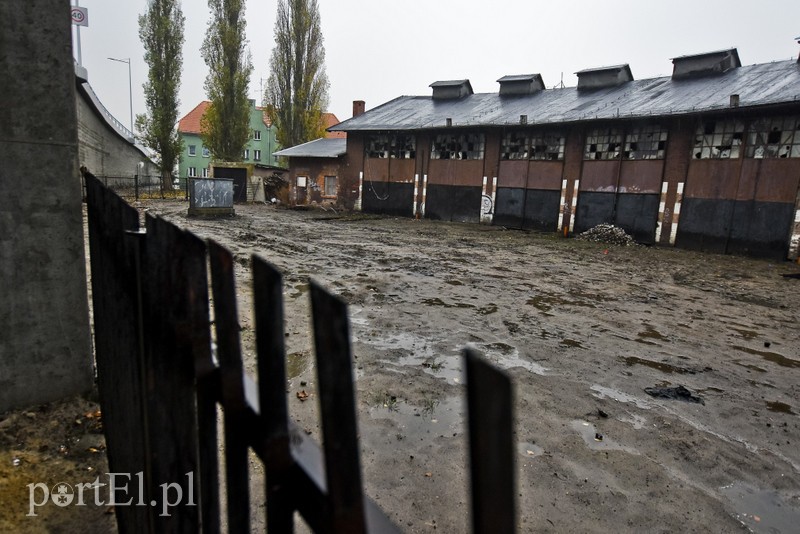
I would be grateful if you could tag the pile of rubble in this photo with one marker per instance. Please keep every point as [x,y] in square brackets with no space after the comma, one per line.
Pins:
[609,234]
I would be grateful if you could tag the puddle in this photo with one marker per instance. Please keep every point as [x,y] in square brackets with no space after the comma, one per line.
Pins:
[761,510]
[635,420]
[300,290]
[529,450]
[436,301]
[773,357]
[440,416]
[746,334]
[596,440]
[602,392]
[779,407]
[545,303]
[661,366]
[297,363]
[505,356]
[650,333]
[740,363]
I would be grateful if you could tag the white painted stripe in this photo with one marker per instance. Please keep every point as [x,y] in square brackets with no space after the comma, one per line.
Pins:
[574,204]
[416,189]
[360,190]
[664,188]
[677,210]
[494,196]
[673,233]
[797,216]
[424,194]
[562,206]
[680,188]
[658,231]
[661,206]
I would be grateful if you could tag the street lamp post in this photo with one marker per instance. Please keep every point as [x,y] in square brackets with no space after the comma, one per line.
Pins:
[130,87]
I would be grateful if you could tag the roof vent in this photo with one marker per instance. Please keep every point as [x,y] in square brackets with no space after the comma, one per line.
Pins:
[709,63]
[604,77]
[521,84]
[452,89]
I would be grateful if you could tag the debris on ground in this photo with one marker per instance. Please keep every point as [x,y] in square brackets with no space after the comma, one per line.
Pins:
[674,393]
[607,233]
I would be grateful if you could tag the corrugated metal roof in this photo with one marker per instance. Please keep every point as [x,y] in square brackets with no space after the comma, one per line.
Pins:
[756,85]
[318,148]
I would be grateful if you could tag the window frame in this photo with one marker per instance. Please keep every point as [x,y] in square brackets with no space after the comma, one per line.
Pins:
[191,172]
[256,135]
[712,134]
[760,133]
[461,146]
[325,192]
[191,150]
[256,154]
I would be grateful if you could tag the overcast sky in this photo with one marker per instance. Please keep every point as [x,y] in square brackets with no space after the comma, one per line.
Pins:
[378,50]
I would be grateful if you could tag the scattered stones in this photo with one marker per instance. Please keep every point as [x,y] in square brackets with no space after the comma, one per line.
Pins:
[609,234]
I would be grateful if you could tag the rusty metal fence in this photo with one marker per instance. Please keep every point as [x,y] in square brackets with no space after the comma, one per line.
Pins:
[161,382]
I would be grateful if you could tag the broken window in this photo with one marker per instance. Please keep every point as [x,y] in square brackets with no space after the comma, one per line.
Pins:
[398,146]
[516,145]
[603,143]
[458,146]
[774,138]
[718,140]
[547,146]
[534,146]
[646,142]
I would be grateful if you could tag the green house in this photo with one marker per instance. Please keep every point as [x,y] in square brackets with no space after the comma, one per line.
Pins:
[195,161]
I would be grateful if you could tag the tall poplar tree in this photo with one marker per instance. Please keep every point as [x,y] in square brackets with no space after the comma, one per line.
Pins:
[161,33]
[297,89]
[226,124]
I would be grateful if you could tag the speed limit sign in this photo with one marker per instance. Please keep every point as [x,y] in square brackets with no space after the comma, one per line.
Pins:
[79,16]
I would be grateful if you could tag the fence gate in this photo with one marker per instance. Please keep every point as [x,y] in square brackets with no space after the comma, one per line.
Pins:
[160,384]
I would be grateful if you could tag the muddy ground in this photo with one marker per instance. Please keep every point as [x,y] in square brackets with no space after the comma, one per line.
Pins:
[583,329]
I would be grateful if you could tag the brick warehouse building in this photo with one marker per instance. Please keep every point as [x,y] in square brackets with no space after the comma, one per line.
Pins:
[706,159]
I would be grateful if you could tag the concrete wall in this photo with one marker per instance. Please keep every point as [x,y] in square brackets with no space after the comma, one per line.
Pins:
[45,350]
[102,150]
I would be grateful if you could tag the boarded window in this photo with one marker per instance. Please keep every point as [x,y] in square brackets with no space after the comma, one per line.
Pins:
[718,140]
[330,186]
[646,142]
[399,146]
[458,146]
[774,138]
[603,143]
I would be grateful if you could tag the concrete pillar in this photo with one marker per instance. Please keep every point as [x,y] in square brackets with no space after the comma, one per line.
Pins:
[45,349]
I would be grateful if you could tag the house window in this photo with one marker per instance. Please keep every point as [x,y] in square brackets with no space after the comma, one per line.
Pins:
[192,150]
[603,143]
[246,154]
[206,152]
[647,142]
[204,172]
[330,186]
[257,155]
[400,146]
[301,181]
[515,145]
[458,146]
[718,140]
[257,135]
[547,146]
[774,138]
[192,172]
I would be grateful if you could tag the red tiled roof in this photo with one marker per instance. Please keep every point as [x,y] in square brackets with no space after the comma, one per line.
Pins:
[329,119]
[191,122]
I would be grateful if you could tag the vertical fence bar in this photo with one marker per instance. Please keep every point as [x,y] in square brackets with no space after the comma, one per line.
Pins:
[174,266]
[489,403]
[115,268]
[226,321]
[268,308]
[337,409]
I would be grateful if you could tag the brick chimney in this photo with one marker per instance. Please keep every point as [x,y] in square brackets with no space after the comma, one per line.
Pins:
[358,107]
